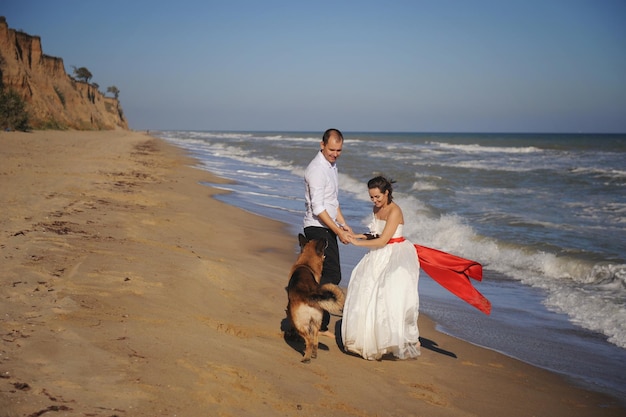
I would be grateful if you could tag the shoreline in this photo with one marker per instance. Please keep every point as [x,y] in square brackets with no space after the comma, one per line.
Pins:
[128,288]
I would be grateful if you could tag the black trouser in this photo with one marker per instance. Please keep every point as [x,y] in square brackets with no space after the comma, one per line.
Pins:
[331,272]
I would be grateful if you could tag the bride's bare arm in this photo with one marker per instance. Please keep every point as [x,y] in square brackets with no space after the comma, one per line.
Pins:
[393,220]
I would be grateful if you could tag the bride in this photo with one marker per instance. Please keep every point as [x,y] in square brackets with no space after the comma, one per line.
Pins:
[382,303]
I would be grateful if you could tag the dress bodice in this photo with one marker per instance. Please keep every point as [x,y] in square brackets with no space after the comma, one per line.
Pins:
[377,226]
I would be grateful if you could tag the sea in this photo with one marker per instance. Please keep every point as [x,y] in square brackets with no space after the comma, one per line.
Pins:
[545,214]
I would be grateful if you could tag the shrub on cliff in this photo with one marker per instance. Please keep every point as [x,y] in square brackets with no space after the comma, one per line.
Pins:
[82,74]
[13,114]
[114,90]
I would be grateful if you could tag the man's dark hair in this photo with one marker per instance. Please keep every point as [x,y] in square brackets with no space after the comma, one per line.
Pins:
[331,132]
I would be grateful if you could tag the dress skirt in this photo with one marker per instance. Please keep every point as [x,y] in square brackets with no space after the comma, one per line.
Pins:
[382,304]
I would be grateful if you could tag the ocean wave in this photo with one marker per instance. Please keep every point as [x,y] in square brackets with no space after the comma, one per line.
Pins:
[593,295]
[234,136]
[184,135]
[238,153]
[592,311]
[356,188]
[424,186]
[476,148]
[489,165]
[611,176]
[287,138]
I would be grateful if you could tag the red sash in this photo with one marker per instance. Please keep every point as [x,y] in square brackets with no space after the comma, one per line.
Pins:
[452,273]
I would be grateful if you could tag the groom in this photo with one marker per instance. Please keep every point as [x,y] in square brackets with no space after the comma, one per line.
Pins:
[323,218]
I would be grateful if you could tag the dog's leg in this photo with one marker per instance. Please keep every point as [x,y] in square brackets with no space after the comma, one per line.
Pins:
[309,347]
[315,337]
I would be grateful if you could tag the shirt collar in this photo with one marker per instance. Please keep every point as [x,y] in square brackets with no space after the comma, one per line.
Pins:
[321,156]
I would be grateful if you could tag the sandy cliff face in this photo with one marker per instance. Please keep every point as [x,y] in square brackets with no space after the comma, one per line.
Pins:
[53,99]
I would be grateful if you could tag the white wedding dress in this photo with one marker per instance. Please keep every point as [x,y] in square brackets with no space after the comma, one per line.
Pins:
[382,303]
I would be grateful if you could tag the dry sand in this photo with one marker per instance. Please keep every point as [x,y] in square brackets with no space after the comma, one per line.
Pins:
[127,290]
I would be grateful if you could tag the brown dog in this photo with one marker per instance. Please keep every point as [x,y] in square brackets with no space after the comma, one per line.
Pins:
[307,298]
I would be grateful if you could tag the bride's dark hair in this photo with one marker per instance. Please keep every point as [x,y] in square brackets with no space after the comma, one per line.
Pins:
[383,184]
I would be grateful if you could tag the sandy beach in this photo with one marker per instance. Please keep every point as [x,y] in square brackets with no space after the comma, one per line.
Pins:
[127,290]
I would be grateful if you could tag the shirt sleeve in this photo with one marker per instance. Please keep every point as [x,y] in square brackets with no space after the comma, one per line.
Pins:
[316,181]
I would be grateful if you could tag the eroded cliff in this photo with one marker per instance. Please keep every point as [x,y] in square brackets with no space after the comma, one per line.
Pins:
[53,98]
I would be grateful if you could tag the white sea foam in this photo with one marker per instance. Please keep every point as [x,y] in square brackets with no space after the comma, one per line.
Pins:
[354,187]
[423,186]
[476,148]
[208,135]
[287,138]
[591,295]
[610,174]
[237,153]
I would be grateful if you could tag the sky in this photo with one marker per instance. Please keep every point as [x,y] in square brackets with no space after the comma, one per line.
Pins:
[536,66]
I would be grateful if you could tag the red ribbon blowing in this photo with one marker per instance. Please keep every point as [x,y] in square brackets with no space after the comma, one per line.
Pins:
[453,273]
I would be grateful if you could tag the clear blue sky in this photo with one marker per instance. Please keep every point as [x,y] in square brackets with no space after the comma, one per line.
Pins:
[427,66]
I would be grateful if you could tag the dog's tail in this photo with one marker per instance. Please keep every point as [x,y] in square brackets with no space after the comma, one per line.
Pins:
[331,298]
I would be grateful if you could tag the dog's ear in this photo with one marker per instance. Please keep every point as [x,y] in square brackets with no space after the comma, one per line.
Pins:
[321,246]
[302,240]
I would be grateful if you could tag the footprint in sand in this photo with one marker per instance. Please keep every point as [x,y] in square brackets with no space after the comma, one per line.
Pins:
[427,393]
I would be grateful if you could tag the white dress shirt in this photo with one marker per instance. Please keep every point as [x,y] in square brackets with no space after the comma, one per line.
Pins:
[321,190]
